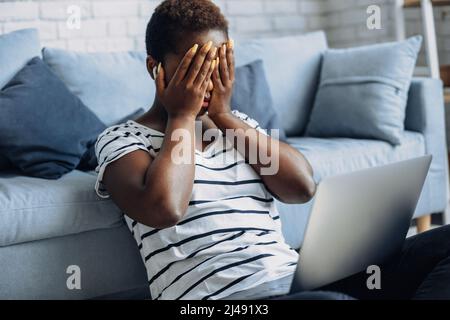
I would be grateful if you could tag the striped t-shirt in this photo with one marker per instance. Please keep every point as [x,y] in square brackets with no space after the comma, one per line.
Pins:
[229,239]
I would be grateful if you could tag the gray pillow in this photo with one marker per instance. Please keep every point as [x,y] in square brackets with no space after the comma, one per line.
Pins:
[251,95]
[363,91]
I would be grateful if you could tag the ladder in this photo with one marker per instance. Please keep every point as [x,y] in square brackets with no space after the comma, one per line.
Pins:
[431,51]
[429,32]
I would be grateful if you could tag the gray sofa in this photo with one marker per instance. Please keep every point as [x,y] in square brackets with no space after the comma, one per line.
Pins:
[48,225]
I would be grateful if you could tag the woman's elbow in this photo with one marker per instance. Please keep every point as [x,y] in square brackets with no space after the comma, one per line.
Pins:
[303,191]
[161,216]
[309,189]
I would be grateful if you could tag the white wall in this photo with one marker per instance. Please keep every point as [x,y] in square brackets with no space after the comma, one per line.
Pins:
[114,25]
[345,24]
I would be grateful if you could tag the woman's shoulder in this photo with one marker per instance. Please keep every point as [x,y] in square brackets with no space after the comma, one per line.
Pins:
[132,127]
[125,135]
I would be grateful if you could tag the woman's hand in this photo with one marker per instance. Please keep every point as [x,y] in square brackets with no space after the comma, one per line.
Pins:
[184,94]
[223,80]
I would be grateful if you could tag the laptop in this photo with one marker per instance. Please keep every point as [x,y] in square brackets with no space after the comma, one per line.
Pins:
[357,220]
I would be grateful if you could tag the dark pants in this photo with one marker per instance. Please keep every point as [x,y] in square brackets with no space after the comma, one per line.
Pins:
[421,270]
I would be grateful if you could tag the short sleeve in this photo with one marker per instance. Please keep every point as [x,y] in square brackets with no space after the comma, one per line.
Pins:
[251,122]
[112,145]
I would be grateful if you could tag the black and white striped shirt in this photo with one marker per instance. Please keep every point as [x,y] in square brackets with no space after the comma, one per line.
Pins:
[230,238]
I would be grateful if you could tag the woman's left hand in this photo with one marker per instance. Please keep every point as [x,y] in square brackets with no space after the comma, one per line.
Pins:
[223,80]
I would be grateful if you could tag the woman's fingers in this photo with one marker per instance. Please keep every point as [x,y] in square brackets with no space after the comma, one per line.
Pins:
[216,75]
[230,58]
[197,63]
[184,65]
[224,74]
[206,68]
[207,79]
[160,84]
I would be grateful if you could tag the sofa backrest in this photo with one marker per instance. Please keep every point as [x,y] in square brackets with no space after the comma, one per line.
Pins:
[16,49]
[292,65]
[112,84]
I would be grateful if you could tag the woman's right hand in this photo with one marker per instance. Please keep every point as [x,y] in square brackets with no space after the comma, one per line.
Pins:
[183,96]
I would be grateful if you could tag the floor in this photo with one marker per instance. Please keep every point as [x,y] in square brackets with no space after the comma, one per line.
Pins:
[436,221]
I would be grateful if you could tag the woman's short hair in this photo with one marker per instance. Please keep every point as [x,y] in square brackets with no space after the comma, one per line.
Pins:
[173,18]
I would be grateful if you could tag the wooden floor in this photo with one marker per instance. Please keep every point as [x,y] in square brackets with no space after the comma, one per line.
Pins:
[437,220]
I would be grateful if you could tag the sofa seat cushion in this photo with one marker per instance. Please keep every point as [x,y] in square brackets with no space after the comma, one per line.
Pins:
[342,155]
[334,156]
[33,208]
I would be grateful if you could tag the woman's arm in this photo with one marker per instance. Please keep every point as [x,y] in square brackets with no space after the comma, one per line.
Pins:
[293,181]
[156,192]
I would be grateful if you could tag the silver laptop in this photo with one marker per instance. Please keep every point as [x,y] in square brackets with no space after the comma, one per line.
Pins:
[358,219]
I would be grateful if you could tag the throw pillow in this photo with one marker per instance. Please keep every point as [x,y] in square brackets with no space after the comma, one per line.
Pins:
[44,128]
[363,91]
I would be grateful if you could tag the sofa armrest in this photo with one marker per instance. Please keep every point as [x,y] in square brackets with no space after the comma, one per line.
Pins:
[425,113]
[425,106]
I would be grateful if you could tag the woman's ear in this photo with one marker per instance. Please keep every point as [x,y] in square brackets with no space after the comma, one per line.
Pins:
[152,66]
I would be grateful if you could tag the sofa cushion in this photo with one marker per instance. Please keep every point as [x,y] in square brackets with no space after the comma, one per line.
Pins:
[111,84]
[16,49]
[292,65]
[34,208]
[44,129]
[251,95]
[334,156]
[363,91]
[109,261]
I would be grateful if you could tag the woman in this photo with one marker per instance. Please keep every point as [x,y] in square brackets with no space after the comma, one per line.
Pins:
[203,212]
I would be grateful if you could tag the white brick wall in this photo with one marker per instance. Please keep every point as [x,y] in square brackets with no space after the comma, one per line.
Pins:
[11,11]
[345,25]
[120,24]
[345,22]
